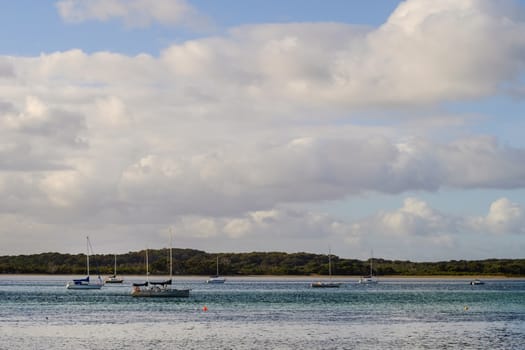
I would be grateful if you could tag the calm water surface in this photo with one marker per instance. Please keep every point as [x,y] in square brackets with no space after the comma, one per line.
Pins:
[37,312]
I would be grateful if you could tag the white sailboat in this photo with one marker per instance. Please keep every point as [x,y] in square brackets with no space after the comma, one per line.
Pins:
[113,278]
[324,284]
[369,279]
[216,279]
[158,289]
[85,283]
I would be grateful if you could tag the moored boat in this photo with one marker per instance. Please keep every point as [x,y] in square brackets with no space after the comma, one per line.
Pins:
[476,282]
[159,289]
[321,284]
[325,284]
[85,283]
[114,278]
[217,279]
[370,278]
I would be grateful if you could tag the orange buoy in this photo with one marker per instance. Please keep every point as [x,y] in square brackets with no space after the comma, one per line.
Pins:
[204,308]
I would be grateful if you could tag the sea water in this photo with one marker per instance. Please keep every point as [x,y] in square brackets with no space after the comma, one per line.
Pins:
[38,312]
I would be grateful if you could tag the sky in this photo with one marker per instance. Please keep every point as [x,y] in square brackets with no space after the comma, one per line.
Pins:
[392,128]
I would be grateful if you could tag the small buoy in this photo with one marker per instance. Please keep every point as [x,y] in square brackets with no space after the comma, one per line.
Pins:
[465,308]
[204,308]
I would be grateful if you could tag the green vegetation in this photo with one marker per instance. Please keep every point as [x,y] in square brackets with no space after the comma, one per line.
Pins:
[196,262]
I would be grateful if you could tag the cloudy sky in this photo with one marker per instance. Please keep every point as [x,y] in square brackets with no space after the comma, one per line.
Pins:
[392,126]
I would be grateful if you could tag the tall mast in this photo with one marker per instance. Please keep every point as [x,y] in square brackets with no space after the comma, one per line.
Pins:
[171,254]
[87,255]
[330,263]
[147,266]
[371,258]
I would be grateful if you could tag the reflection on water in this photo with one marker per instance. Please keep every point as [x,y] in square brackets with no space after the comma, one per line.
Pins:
[39,313]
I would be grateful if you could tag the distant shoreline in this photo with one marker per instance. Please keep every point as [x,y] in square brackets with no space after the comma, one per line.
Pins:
[191,262]
[287,277]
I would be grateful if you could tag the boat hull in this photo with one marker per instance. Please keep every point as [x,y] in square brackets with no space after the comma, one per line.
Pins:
[476,283]
[83,286]
[216,280]
[367,281]
[325,285]
[114,281]
[160,293]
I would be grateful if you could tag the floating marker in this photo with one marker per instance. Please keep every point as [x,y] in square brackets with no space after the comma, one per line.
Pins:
[204,308]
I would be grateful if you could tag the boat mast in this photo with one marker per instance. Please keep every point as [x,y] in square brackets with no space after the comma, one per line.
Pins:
[371,258]
[171,254]
[147,266]
[330,263]
[87,255]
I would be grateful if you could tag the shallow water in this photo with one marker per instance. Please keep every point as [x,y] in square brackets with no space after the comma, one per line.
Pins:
[37,312]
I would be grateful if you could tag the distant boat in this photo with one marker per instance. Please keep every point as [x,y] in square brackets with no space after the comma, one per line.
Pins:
[85,283]
[324,284]
[158,289]
[216,279]
[369,279]
[476,282]
[113,278]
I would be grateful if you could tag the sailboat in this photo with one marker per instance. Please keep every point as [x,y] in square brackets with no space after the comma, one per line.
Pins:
[330,284]
[113,278]
[158,289]
[476,282]
[369,279]
[216,279]
[85,283]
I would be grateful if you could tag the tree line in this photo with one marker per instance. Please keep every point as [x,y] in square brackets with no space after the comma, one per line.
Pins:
[196,262]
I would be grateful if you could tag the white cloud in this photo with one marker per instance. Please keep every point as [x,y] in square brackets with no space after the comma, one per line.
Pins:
[62,188]
[112,112]
[167,167]
[452,48]
[217,132]
[415,218]
[482,162]
[504,217]
[6,68]
[35,137]
[424,53]
[263,224]
[135,13]
[417,228]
